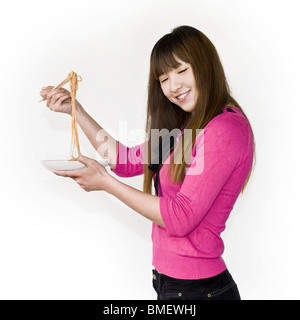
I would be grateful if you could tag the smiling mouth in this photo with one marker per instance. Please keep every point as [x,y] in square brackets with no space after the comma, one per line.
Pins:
[182,96]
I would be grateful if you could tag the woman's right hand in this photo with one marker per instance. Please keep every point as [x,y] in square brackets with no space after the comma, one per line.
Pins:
[58,100]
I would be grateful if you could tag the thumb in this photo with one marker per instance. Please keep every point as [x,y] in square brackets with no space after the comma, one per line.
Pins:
[84,160]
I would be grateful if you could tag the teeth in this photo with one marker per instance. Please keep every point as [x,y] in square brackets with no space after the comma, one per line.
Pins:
[182,96]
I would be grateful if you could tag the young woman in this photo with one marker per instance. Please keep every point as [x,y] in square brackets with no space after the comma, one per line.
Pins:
[198,170]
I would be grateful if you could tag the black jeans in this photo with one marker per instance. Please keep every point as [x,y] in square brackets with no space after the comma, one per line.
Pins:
[219,287]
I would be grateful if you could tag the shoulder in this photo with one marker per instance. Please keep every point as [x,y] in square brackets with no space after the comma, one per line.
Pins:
[228,131]
[229,123]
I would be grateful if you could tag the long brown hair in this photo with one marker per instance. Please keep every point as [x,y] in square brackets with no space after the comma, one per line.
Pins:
[191,46]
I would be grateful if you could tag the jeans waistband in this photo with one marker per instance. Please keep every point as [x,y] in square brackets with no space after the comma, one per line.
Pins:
[160,277]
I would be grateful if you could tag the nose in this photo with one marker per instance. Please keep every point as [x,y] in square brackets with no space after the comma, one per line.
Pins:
[175,84]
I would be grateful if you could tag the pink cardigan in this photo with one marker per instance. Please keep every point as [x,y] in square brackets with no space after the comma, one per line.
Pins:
[195,212]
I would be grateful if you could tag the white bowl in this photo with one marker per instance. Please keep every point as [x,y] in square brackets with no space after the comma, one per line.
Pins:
[53,165]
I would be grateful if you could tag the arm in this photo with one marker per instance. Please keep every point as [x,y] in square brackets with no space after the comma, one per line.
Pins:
[95,177]
[221,148]
[143,203]
[104,143]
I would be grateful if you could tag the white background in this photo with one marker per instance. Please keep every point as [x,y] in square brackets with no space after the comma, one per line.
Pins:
[59,242]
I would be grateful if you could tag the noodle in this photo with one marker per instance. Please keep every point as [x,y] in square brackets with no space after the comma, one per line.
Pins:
[73,78]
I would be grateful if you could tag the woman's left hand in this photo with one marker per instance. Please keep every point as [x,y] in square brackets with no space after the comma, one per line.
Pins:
[93,177]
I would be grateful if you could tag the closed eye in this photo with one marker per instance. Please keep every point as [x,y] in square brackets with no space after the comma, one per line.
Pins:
[182,70]
[164,80]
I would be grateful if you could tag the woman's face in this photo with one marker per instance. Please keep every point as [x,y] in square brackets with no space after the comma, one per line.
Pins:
[179,86]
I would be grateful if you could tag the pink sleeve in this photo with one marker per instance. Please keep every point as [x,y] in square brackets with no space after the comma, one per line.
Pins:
[129,160]
[220,149]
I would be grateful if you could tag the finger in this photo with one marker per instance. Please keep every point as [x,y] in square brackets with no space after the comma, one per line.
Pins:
[44,91]
[54,99]
[67,173]
[47,88]
[85,160]
[63,98]
[50,95]
[59,101]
